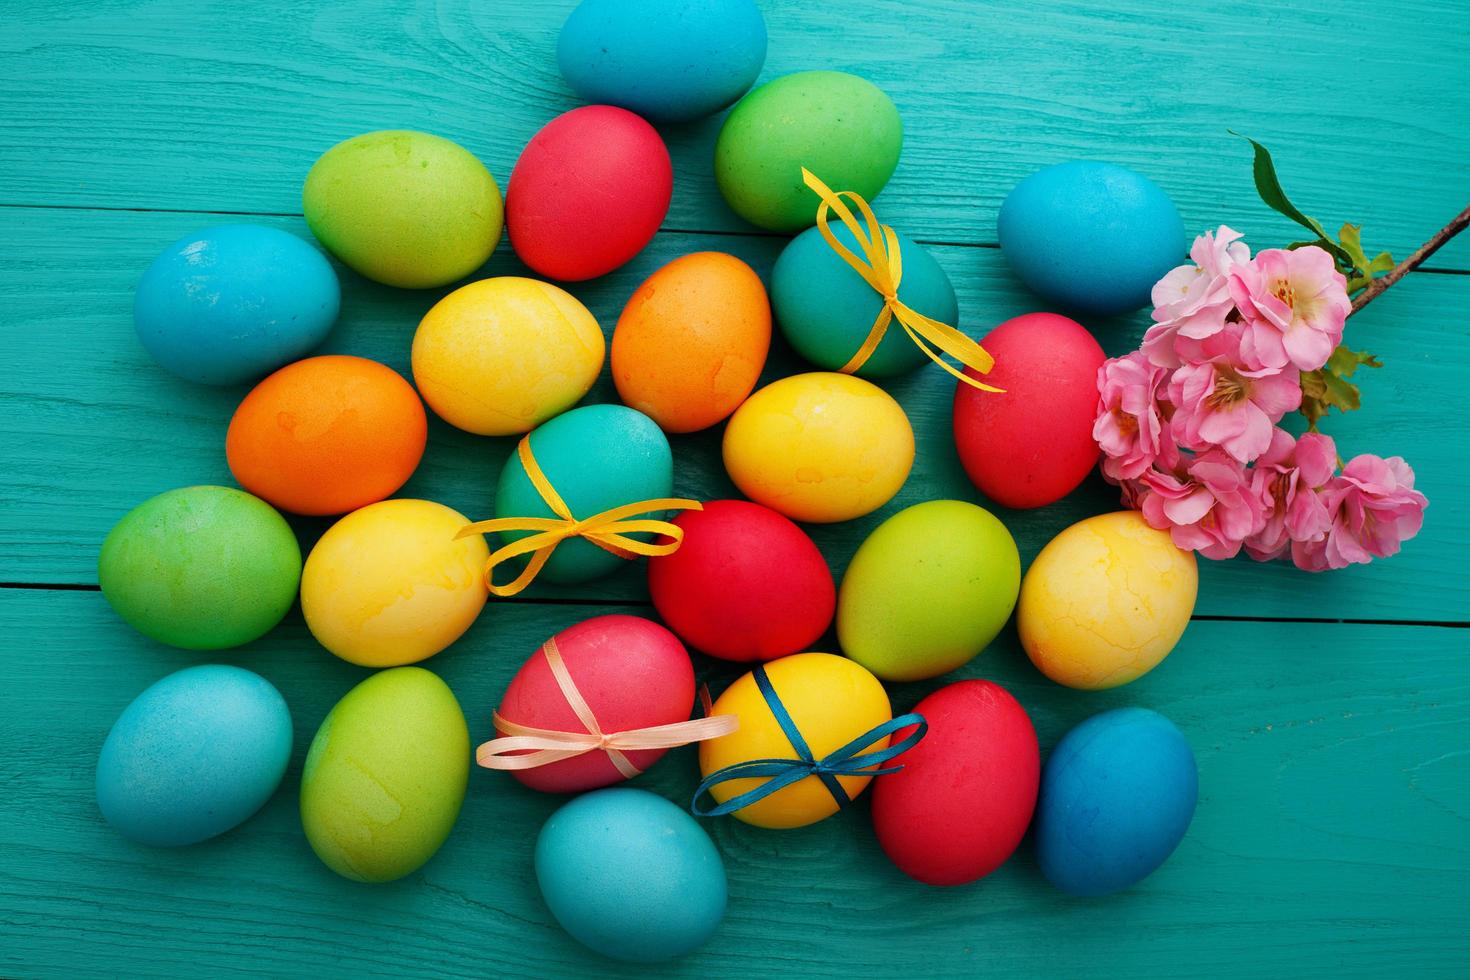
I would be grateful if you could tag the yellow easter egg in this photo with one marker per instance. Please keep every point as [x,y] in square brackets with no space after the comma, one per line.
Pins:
[820,447]
[1105,601]
[500,356]
[831,699]
[389,584]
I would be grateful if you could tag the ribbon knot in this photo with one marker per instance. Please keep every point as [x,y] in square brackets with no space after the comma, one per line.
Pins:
[608,530]
[883,270]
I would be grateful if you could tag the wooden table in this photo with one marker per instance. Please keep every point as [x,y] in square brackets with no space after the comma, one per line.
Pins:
[1330,714]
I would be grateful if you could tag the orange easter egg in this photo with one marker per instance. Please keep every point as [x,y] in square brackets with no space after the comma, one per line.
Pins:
[327,435]
[692,341]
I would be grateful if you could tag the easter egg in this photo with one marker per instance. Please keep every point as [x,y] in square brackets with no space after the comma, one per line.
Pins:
[630,875]
[588,192]
[819,447]
[830,699]
[327,435]
[404,208]
[385,776]
[1033,444]
[928,590]
[746,584]
[630,672]
[464,343]
[1117,796]
[596,457]
[1105,601]
[1091,237]
[692,340]
[232,303]
[389,584]
[204,568]
[841,127]
[826,310]
[667,60]
[193,756]
[961,804]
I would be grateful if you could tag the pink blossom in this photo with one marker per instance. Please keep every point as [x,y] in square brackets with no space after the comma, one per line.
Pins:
[1293,304]
[1211,509]
[1130,427]
[1286,479]
[1194,299]
[1217,403]
[1375,508]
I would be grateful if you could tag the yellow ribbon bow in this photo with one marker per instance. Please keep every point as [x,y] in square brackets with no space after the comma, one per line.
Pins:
[883,270]
[608,530]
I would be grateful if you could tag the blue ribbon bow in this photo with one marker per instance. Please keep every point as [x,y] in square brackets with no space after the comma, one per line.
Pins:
[845,761]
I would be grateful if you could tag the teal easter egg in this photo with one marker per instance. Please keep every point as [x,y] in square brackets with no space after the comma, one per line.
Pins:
[193,756]
[826,310]
[596,458]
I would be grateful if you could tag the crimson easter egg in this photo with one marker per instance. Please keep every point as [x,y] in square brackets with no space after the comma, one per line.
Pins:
[746,584]
[966,793]
[588,193]
[631,672]
[1033,444]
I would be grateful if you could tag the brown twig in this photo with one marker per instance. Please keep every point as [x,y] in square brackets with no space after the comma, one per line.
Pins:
[1376,288]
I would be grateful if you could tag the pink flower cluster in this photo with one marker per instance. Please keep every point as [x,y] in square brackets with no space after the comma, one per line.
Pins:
[1188,423]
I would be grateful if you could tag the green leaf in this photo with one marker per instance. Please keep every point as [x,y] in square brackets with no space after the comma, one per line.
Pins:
[1344,361]
[1268,186]
[1351,238]
[1328,388]
[1382,262]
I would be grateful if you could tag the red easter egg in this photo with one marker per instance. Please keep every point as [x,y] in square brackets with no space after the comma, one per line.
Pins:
[746,584]
[632,673]
[588,193]
[961,803]
[1033,444]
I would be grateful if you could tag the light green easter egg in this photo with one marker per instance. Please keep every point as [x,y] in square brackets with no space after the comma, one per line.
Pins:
[385,775]
[404,208]
[928,590]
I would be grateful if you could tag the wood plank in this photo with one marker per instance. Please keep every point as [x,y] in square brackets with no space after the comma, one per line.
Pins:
[91,426]
[1364,103]
[1329,838]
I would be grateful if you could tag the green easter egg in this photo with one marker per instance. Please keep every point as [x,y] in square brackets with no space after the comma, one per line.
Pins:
[385,775]
[841,127]
[928,590]
[404,208]
[202,568]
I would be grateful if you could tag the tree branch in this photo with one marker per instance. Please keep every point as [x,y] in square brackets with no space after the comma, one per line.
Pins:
[1378,286]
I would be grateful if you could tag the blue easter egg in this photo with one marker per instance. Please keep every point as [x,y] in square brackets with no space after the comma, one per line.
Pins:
[232,303]
[596,457]
[631,875]
[1091,237]
[667,60]
[1117,795]
[826,310]
[193,756]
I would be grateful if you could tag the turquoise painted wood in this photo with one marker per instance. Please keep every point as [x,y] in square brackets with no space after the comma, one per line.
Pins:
[1335,780]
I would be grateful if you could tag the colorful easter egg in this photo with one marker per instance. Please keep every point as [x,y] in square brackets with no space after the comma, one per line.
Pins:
[928,590]
[1091,237]
[588,193]
[1117,796]
[385,776]
[390,584]
[692,341]
[746,584]
[841,127]
[327,435]
[232,303]
[465,342]
[667,60]
[826,310]
[630,875]
[1105,601]
[193,756]
[1031,445]
[962,802]
[630,672]
[830,699]
[596,457]
[404,208]
[204,568]
[819,447]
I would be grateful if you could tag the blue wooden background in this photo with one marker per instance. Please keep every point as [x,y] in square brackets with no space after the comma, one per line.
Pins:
[1330,714]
